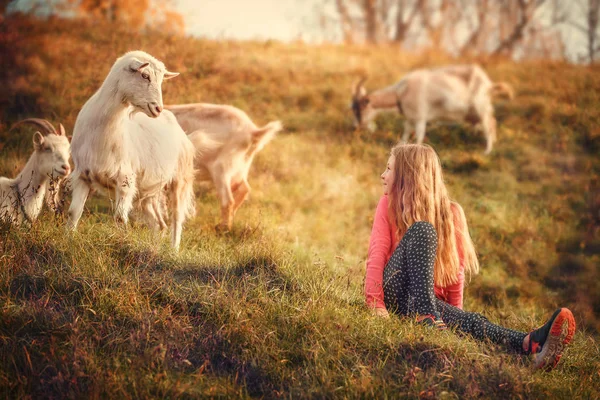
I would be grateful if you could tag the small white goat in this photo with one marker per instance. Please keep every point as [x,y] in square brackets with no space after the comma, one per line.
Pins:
[22,198]
[458,92]
[226,142]
[115,147]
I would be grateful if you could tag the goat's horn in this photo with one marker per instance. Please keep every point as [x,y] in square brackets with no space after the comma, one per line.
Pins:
[169,75]
[46,126]
[359,84]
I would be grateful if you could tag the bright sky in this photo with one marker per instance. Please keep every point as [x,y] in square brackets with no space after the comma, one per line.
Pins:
[246,19]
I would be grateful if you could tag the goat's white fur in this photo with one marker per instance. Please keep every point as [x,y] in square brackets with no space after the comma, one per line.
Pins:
[458,92]
[22,198]
[124,143]
[226,141]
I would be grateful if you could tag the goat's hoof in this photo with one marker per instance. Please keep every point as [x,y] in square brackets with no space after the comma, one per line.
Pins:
[121,223]
[221,228]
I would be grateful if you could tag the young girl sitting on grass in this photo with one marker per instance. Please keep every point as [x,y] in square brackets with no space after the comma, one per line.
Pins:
[419,250]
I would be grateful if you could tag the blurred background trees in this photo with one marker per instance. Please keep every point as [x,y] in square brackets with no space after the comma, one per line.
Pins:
[138,14]
[513,28]
[518,29]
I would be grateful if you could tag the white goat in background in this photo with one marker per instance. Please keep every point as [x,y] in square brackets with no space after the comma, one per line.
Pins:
[123,142]
[22,198]
[458,92]
[226,142]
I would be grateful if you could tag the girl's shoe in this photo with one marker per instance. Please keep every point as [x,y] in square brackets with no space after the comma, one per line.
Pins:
[548,341]
[430,320]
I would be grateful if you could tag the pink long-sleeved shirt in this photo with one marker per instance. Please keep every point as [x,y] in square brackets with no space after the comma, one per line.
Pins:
[382,244]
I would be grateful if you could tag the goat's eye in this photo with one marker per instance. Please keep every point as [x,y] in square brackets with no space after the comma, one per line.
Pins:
[146,76]
[47,149]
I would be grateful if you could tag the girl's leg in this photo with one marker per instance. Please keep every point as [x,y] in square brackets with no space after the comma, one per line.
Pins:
[408,288]
[408,276]
[479,327]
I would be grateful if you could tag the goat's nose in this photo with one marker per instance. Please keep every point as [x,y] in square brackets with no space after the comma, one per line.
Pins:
[66,167]
[157,108]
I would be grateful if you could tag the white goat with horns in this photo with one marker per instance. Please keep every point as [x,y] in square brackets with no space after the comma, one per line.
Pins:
[124,142]
[458,92]
[226,142]
[22,198]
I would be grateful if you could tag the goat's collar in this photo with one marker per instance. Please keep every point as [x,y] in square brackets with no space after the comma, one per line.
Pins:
[21,203]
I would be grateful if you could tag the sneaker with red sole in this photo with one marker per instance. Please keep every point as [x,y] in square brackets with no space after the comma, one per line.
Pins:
[548,341]
[430,320]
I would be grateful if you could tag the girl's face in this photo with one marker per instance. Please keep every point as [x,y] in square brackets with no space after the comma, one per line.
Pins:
[387,177]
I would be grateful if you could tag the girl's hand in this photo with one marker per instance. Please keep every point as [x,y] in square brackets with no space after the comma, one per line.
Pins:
[380,312]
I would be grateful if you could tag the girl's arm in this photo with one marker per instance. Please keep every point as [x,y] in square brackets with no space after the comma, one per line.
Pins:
[455,292]
[379,248]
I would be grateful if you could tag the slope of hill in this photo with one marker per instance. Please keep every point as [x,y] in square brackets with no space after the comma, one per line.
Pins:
[275,307]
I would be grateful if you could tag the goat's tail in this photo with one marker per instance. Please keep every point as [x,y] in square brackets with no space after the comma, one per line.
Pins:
[502,89]
[203,143]
[264,135]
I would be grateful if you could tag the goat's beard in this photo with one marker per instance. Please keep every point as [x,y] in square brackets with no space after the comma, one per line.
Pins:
[134,110]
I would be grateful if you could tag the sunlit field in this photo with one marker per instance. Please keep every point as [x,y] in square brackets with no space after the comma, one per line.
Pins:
[275,308]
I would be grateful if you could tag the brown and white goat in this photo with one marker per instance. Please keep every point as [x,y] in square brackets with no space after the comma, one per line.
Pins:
[226,141]
[457,92]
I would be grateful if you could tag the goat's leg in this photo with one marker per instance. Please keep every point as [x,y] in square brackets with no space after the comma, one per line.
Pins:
[180,194]
[408,127]
[124,194]
[152,219]
[177,213]
[81,190]
[489,129]
[420,130]
[223,186]
[240,194]
[485,111]
[158,210]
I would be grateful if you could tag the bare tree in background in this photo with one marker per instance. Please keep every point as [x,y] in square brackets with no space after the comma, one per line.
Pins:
[3,4]
[522,13]
[479,28]
[497,27]
[345,21]
[406,14]
[137,14]
[590,10]
[377,21]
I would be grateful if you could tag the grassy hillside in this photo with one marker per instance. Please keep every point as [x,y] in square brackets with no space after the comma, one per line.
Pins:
[275,308]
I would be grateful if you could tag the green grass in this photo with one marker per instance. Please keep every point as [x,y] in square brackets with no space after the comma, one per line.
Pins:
[275,308]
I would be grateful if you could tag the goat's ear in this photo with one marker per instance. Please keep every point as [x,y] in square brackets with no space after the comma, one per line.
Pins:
[169,75]
[137,65]
[38,140]
[61,130]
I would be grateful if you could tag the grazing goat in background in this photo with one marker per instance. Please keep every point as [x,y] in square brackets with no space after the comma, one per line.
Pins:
[226,142]
[22,198]
[459,92]
[123,142]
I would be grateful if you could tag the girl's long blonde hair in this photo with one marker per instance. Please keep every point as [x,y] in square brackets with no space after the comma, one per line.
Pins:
[418,193]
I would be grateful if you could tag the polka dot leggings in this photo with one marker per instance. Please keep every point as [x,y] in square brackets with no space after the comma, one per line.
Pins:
[408,289]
